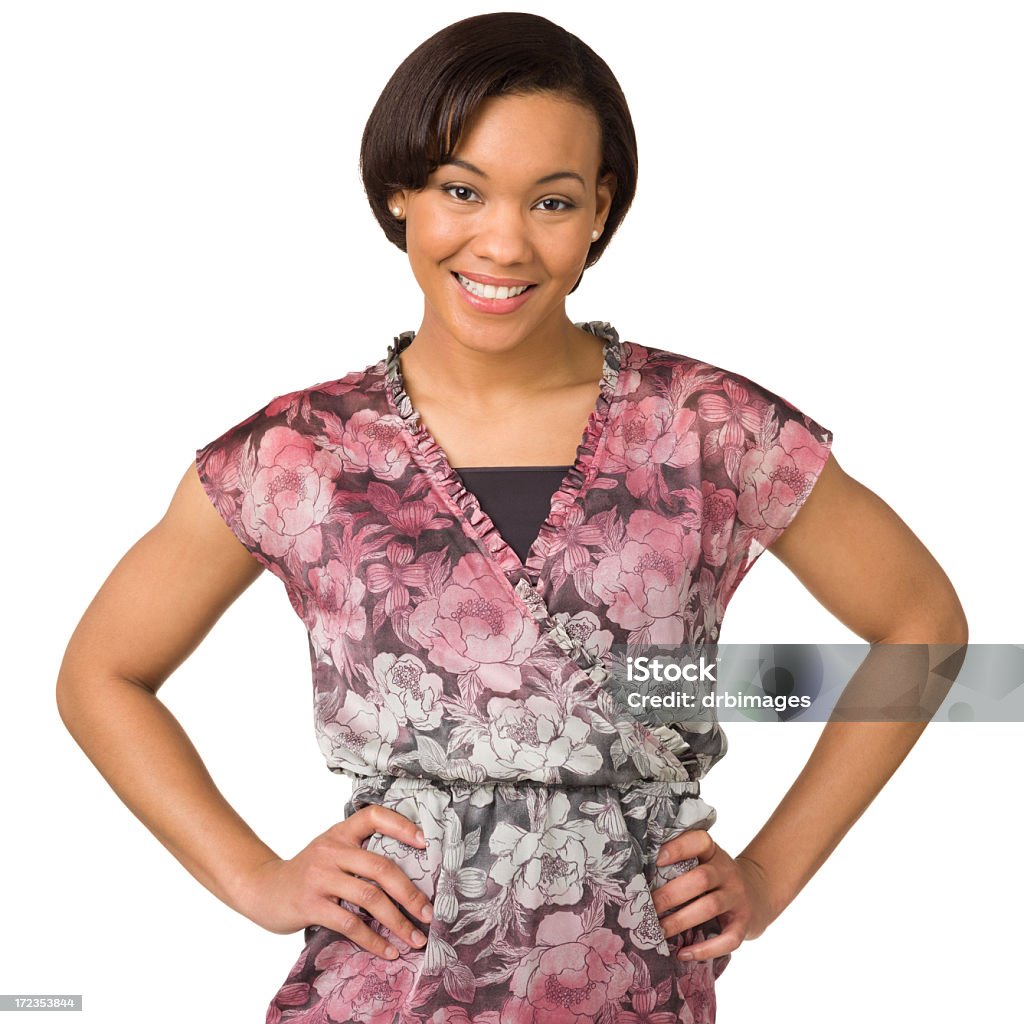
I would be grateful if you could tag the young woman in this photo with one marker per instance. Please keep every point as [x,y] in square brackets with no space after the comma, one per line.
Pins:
[466,528]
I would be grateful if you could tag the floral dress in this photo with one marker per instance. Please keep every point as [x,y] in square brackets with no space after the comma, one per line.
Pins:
[467,689]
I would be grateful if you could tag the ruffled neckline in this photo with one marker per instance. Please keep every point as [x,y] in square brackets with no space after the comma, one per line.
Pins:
[435,460]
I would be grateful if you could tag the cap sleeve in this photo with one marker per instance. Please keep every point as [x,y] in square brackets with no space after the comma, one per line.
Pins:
[275,483]
[227,467]
[774,467]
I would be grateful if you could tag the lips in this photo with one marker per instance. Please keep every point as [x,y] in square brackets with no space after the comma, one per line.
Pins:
[498,282]
[482,305]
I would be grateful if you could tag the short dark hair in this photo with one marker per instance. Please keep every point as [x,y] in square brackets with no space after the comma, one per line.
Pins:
[417,120]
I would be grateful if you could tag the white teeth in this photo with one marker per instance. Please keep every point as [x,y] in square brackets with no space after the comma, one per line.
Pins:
[489,291]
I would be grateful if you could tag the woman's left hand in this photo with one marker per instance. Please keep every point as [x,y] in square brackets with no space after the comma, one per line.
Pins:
[734,890]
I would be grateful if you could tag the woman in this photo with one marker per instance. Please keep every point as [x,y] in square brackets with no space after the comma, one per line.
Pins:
[519,845]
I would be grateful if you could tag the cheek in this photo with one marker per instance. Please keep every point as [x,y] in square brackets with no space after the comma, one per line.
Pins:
[568,253]
[434,238]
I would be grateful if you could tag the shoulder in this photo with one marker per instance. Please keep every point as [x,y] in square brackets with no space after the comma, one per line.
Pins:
[738,408]
[728,444]
[653,366]
[274,475]
[315,411]
[301,430]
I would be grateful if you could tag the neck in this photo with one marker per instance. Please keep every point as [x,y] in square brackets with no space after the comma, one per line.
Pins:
[496,371]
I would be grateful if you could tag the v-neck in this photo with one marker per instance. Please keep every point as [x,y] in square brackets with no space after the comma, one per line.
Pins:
[478,524]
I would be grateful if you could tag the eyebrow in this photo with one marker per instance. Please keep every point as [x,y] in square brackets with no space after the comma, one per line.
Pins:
[456,162]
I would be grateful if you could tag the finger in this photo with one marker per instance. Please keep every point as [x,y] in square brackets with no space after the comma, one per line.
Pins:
[718,945]
[373,818]
[393,880]
[683,888]
[694,843]
[696,913]
[346,923]
[362,892]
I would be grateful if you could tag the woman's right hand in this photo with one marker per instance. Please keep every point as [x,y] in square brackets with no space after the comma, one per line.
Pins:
[286,895]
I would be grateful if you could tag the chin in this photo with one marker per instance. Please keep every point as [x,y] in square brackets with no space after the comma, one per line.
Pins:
[470,324]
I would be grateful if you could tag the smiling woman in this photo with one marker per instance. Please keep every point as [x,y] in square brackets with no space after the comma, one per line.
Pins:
[503,216]
[414,131]
[520,844]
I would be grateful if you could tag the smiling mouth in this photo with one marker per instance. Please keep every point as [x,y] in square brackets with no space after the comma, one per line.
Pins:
[490,291]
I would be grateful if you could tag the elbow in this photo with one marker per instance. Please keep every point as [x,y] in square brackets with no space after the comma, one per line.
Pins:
[941,621]
[949,621]
[65,697]
[68,688]
[954,626]
[960,629]
[951,629]
[73,694]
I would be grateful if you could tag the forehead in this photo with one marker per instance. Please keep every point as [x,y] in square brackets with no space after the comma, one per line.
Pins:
[515,136]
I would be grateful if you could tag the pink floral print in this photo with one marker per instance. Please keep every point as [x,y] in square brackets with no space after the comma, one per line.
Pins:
[471,690]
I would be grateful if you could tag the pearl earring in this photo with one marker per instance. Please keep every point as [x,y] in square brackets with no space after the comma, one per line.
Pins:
[594,234]
[396,210]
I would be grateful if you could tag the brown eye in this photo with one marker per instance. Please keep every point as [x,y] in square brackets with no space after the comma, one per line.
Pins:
[449,189]
[566,205]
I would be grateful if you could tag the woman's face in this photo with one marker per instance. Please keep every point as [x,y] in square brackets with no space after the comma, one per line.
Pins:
[521,214]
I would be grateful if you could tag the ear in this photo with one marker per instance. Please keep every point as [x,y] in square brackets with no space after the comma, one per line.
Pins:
[605,193]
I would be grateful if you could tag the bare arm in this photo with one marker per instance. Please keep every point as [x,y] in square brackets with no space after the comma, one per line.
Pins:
[857,557]
[863,563]
[156,606]
[154,609]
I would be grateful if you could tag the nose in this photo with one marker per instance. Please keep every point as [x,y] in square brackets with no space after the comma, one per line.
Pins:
[502,235]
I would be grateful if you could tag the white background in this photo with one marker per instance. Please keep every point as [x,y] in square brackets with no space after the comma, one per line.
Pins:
[829,203]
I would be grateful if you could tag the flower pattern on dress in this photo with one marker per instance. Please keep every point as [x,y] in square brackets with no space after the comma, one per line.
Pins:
[476,693]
